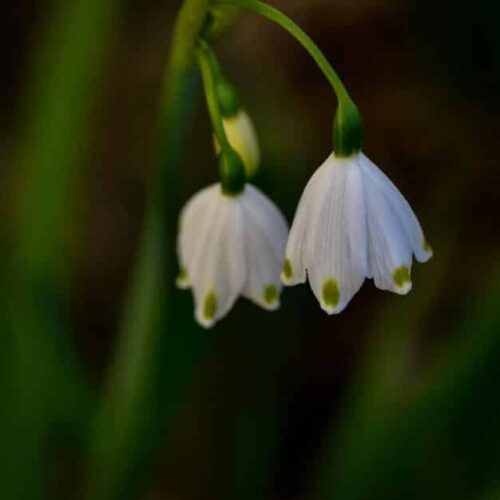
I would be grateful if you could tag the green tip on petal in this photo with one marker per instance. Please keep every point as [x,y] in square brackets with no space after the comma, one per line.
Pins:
[287,269]
[331,293]
[210,306]
[270,294]
[183,275]
[427,247]
[401,276]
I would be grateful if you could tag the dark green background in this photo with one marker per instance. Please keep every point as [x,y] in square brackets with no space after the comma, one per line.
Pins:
[396,398]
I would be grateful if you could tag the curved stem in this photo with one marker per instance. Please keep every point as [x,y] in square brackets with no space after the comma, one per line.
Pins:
[348,128]
[209,69]
[232,171]
[300,35]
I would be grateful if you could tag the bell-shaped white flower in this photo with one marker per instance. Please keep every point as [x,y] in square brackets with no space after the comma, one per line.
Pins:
[242,137]
[230,246]
[352,223]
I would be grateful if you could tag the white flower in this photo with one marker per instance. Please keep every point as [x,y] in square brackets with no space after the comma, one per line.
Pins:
[230,246]
[352,223]
[242,136]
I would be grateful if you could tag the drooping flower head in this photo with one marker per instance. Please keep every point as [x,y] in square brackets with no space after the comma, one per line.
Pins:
[232,238]
[352,223]
[231,245]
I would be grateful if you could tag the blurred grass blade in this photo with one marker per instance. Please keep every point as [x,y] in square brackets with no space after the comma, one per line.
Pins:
[445,443]
[42,383]
[493,493]
[400,439]
[154,354]
[381,385]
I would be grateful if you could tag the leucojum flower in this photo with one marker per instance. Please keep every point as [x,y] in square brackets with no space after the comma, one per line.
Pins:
[352,223]
[231,245]
[232,238]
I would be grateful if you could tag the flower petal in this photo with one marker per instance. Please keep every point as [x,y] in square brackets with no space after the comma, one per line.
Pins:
[294,268]
[400,205]
[389,248]
[356,219]
[192,219]
[218,265]
[266,232]
[336,271]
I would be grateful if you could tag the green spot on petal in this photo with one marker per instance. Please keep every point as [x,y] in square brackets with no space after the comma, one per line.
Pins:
[183,275]
[401,276]
[210,306]
[287,269]
[427,247]
[331,293]
[270,294]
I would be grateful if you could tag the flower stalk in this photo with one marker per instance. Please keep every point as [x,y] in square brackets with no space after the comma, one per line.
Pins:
[210,73]
[348,127]
[227,112]
[231,168]
[140,393]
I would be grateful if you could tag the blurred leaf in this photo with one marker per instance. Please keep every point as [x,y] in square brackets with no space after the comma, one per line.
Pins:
[384,381]
[155,354]
[435,439]
[445,442]
[42,382]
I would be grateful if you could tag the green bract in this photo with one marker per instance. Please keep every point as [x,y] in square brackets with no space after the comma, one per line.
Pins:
[347,130]
[232,172]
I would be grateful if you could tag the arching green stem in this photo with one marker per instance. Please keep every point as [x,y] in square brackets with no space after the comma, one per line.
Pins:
[232,170]
[348,122]
[209,71]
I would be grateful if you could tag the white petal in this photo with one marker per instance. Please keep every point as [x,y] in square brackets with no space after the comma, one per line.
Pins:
[192,219]
[390,251]
[356,220]
[266,232]
[294,271]
[400,205]
[336,269]
[218,267]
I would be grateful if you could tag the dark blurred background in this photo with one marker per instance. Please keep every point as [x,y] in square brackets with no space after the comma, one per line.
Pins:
[385,398]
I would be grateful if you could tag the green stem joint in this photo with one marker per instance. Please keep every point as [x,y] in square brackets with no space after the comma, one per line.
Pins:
[347,130]
[223,102]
